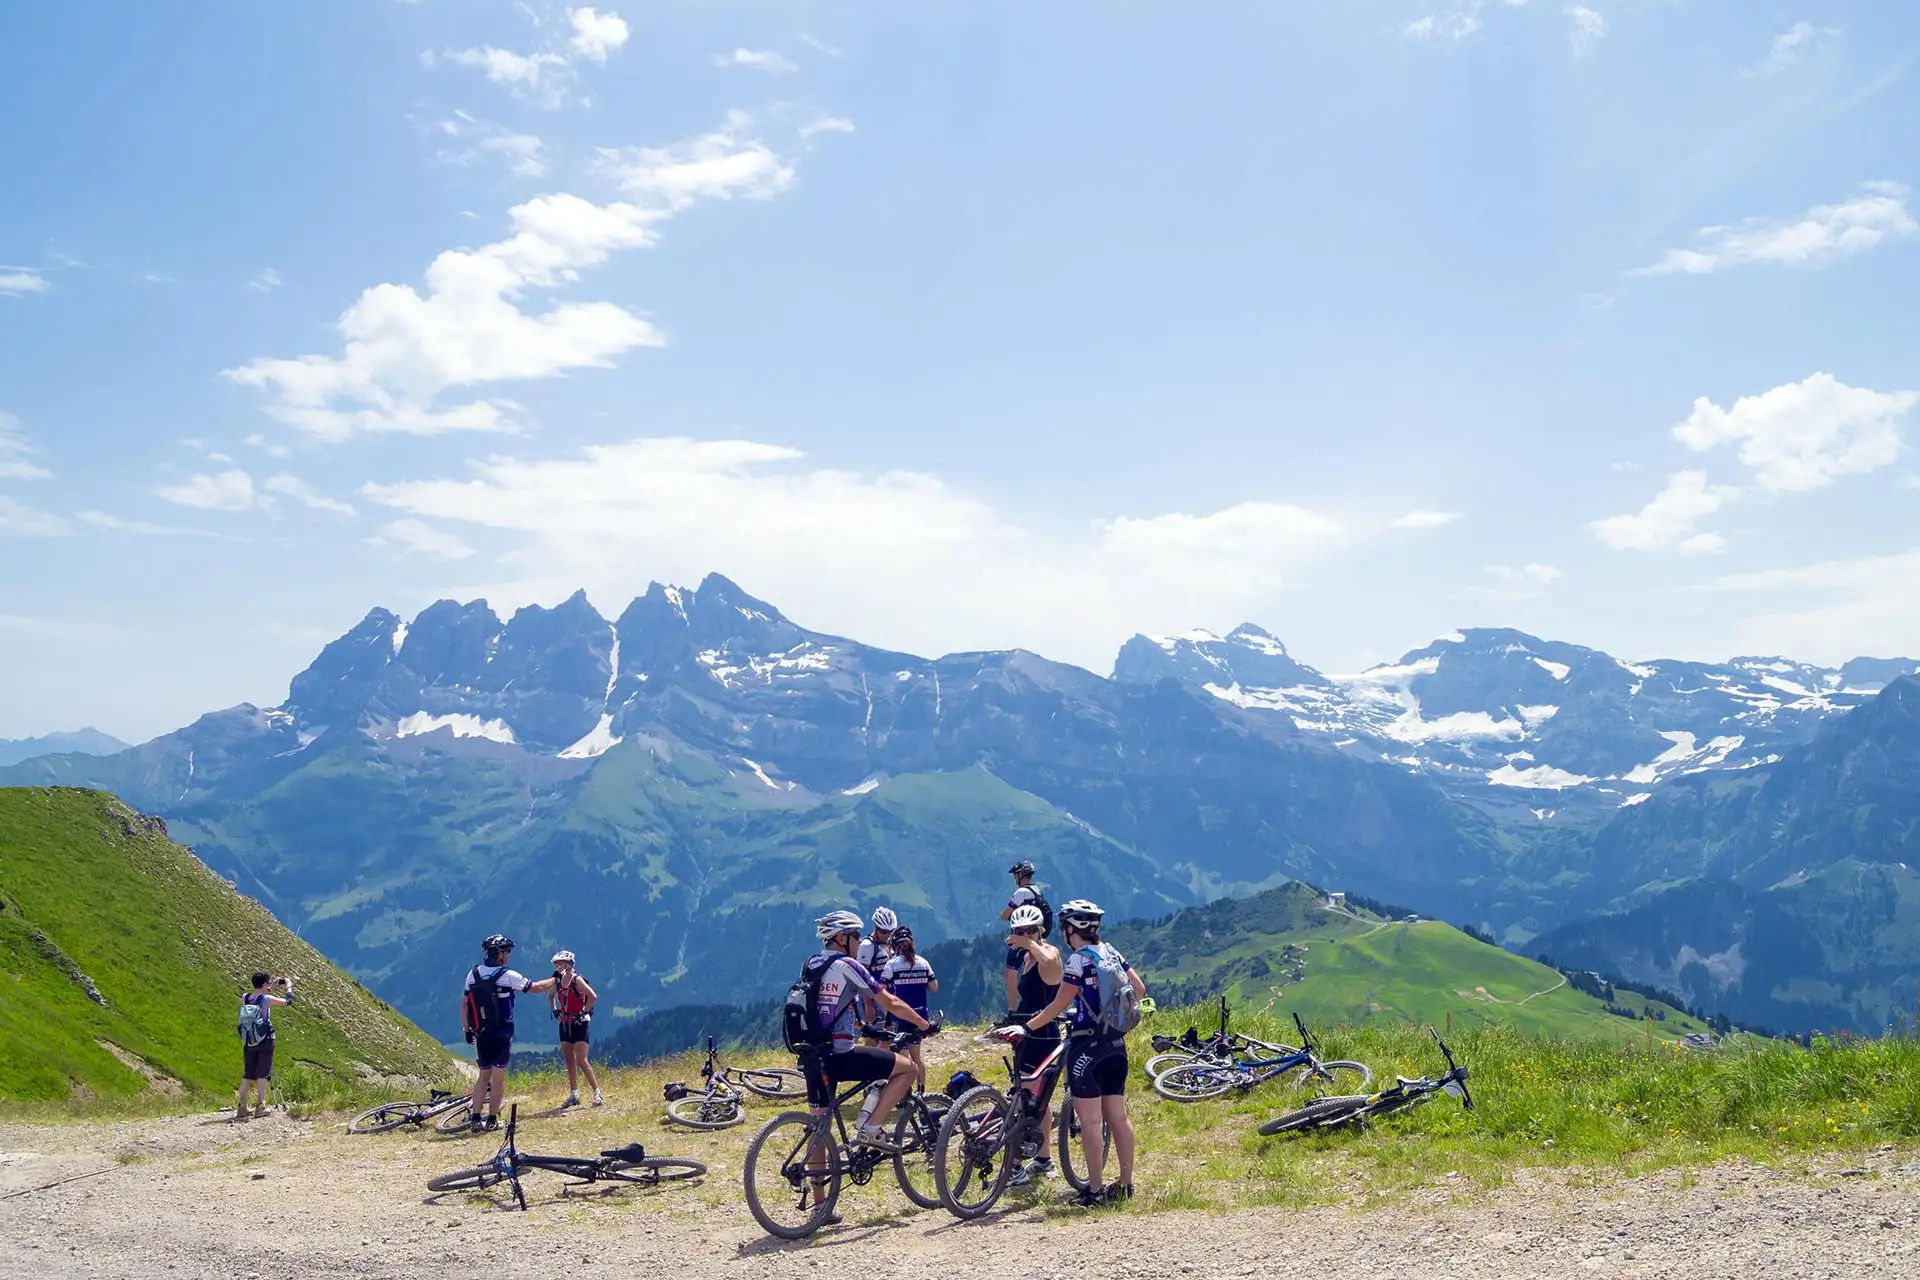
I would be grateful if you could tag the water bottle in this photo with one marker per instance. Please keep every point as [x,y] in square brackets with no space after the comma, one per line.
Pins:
[866,1107]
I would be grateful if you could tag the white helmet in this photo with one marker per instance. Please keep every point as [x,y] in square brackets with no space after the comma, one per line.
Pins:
[1027,916]
[563,957]
[1080,911]
[835,923]
[883,918]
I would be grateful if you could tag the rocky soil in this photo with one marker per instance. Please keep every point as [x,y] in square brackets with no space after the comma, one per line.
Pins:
[280,1197]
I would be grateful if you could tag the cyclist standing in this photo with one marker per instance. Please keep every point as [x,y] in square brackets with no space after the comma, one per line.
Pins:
[873,953]
[1033,980]
[843,983]
[909,975]
[573,1000]
[1096,1062]
[1023,891]
[486,1012]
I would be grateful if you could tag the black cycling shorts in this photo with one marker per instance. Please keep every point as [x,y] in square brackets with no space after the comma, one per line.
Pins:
[493,1049]
[1032,1051]
[574,1032]
[825,1070]
[1097,1067]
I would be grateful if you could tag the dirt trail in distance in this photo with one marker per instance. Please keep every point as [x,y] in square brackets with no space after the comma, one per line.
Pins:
[280,1198]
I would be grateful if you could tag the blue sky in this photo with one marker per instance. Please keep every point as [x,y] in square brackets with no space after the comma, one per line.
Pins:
[952,326]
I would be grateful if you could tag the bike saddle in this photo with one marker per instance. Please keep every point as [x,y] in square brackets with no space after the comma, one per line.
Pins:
[434,1095]
[633,1153]
[1403,1082]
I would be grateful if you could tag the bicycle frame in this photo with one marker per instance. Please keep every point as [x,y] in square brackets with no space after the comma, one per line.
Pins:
[509,1160]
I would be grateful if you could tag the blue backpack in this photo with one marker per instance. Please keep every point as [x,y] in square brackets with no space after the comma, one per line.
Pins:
[255,1025]
[1119,1006]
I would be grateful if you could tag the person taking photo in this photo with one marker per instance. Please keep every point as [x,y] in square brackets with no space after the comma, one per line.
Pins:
[256,1039]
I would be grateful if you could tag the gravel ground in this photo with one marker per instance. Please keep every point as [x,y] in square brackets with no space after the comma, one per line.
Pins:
[196,1196]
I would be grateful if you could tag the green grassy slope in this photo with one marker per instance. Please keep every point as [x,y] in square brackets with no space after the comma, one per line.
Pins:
[1283,950]
[92,892]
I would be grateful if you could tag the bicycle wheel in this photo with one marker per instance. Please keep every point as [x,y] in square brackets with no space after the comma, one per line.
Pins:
[1344,1077]
[1066,1130]
[1163,1062]
[769,1082]
[475,1179]
[791,1190]
[972,1155]
[1321,1112]
[388,1115]
[697,1111]
[654,1170]
[913,1163]
[456,1120]
[1196,1081]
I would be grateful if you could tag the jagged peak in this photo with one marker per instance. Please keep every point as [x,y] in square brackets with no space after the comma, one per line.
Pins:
[717,588]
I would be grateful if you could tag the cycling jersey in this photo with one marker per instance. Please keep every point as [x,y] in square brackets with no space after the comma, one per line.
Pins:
[506,981]
[844,981]
[1022,895]
[908,979]
[1083,975]
[569,1002]
[873,953]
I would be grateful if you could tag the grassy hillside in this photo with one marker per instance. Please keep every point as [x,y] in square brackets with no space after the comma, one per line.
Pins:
[1286,950]
[122,958]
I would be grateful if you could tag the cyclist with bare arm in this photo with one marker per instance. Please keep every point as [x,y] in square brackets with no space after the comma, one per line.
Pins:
[486,1012]
[1033,976]
[843,983]
[573,1000]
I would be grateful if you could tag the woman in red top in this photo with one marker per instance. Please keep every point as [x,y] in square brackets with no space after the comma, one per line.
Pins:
[573,1000]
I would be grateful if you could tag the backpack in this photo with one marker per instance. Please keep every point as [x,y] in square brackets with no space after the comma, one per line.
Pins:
[485,1012]
[568,1002]
[1039,900]
[255,1025]
[800,1024]
[1119,1006]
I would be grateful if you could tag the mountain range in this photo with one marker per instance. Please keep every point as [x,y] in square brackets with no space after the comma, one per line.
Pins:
[86,742]
[674,790]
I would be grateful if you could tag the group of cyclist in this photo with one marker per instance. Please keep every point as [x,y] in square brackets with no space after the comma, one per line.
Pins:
[859,977]
[869,984]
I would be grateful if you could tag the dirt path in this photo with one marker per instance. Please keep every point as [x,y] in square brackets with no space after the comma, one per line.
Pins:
[283,1198]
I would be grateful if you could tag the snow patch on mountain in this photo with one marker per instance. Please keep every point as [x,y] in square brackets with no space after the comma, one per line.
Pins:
[459,724]
[1542,777]
[1558,670]
[598,741]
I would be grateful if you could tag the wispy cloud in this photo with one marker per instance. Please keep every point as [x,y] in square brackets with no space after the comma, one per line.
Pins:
[1791,48]
[1589,28]
[1823,234]
[422,538]
[820,46]
[476,141]
[221,491]
[826,124]
[15,450]
[292,486]
[21,282]
[22,521]
[146,529]
[545,76]
[755,60]
[1424,519]
[1671,521]
[595,35]
[265,281]
[1512,583]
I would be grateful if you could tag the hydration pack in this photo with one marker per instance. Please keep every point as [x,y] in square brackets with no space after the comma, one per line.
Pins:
[485,1010]
[800,1024]
[255,1025]
[1039,900]
[1119,1006]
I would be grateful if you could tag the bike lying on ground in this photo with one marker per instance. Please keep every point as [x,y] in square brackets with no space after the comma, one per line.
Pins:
[628,1164]
[718,1105]
[1402,1095]
[987,1131]
[798,1162]
[1202,1078]
[440,1103]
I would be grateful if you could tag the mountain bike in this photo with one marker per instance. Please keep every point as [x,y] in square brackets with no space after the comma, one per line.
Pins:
[987,1131]
[1402,1095]
[797,1163]
[1218,1048]
[391,1115]
[628,1164]
[717,1106]
[1199,1079]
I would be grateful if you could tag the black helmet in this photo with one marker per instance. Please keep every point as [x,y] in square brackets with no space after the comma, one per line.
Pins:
[496,942]
[903,934]
[1021,868]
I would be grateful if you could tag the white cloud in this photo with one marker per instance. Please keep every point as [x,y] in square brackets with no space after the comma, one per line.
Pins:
[1505,583]
[266,281]
[403,349]
[819,45]
[1537,574]
[18,282]
[542,78]
[936,567]
[1832,611]
[522,154]
[1670,522]
[713,166]
[15,449]
[755,60]
[1823,234]
[1791,47]
[22,521]
[1424,519]
[300,491]
[1589,28]
[595,35]
[1803,435]
[116,524]
[826,124]
[418,536]
[1457,24]
[223,491]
